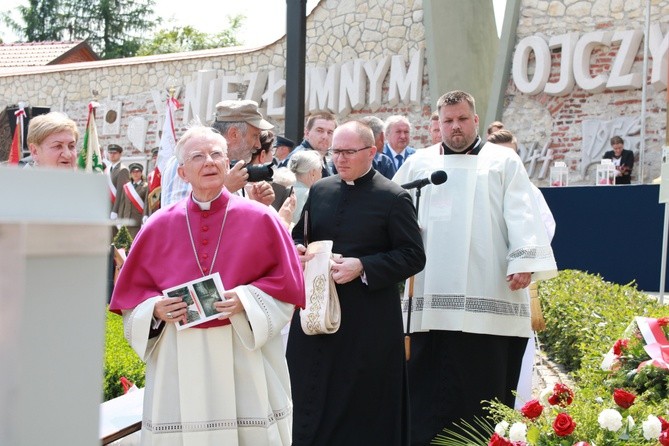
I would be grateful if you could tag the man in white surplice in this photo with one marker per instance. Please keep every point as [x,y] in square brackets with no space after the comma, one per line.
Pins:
[485,241]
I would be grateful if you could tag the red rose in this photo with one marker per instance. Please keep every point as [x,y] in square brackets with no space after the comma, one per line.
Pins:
[532,409]
[562,396]
[623,398]
[619,346]
[664,438]
[497,440]
[563,425]
[665,423]
[663,321]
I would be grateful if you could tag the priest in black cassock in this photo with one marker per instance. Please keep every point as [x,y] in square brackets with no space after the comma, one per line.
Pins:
[350,387]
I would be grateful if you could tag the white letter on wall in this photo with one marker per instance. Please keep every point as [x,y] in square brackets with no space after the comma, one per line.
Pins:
[273,97]
[376,72]
[352,86]
[196,97]
[257,82]
[565,84]
[621,78]
[323,89]
[521,61]
[582,54]
[406,84]
[658,50]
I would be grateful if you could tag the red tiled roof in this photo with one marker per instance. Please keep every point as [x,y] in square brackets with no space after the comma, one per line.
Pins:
[44,53]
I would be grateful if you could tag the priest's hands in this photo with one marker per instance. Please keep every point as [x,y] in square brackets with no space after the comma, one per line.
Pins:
[519,281]
[345,269]
[230,306]
[170,309]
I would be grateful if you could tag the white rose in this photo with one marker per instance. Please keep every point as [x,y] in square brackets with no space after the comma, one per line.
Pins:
[607,362]
[652,428]
[610,419]
[518,432]
[544,395]
[501,427]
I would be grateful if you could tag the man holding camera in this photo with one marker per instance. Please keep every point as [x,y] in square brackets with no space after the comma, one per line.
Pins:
[240,123]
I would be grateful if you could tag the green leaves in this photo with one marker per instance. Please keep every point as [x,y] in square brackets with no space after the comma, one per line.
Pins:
[120,359]
[179,39]
[113,28]
[585,315]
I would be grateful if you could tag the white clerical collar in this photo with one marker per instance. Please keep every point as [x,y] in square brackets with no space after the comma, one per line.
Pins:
[205,205]
[352,183]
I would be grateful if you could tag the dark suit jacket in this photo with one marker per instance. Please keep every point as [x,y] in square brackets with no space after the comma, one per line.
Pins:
[391,153]
[326,170]
[626,165]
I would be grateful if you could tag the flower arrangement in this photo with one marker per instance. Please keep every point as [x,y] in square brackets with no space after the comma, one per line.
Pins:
[639,360]
[625,401]
[548,421]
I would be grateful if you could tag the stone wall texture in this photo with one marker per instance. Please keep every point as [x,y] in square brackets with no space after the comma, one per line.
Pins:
[336,31]
[557,121]
[341,30]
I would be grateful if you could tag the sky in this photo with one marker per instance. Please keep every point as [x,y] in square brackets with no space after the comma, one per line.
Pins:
[265,19]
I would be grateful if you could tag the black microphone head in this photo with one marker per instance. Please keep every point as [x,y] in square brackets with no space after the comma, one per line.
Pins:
[438,177]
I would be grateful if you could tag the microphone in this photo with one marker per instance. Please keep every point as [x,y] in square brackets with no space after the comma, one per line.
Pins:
[438,177]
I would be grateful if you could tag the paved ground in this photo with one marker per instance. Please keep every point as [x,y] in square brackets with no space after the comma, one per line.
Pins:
[546,373]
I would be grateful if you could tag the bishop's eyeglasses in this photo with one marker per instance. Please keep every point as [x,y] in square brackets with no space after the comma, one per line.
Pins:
[201,157]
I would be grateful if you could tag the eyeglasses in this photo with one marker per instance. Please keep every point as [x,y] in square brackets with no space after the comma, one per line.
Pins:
[347,153]
[200,157]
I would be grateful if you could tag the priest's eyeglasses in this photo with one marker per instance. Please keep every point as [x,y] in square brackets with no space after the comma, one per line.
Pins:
[200,157]
[347,153]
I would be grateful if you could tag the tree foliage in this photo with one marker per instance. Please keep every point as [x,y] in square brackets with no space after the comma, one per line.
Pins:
[113,28]
[180,39]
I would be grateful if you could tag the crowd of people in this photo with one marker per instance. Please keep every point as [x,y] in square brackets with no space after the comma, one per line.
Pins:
[240,201]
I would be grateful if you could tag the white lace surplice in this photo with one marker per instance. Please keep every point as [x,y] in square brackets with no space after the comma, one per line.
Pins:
[224,385]
[480,226]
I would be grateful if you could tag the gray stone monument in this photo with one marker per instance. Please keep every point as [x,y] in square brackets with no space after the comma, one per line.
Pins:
[54,245]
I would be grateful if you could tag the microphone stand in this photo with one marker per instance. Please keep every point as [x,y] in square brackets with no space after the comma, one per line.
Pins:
[407,333]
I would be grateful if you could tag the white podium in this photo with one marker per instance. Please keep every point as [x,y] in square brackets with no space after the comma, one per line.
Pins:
[54,246]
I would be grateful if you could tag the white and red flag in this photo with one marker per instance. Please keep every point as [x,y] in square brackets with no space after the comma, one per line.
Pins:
[16,151]
[168,142]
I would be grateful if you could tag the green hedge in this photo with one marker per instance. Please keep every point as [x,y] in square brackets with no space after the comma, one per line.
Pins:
[120,359]
[585,315]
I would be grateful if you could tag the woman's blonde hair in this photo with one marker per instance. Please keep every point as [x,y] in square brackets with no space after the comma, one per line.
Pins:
[42,126]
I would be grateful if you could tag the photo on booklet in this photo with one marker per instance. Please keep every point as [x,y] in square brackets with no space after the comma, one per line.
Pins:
[200,295]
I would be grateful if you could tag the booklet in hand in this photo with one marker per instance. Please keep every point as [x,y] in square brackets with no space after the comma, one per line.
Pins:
[200,295]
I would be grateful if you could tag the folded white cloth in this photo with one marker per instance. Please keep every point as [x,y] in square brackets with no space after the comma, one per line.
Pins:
[321,314]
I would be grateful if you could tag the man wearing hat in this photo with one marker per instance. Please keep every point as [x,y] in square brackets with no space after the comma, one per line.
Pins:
[282,148]
[133,198]
[118,176]
[240,123]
